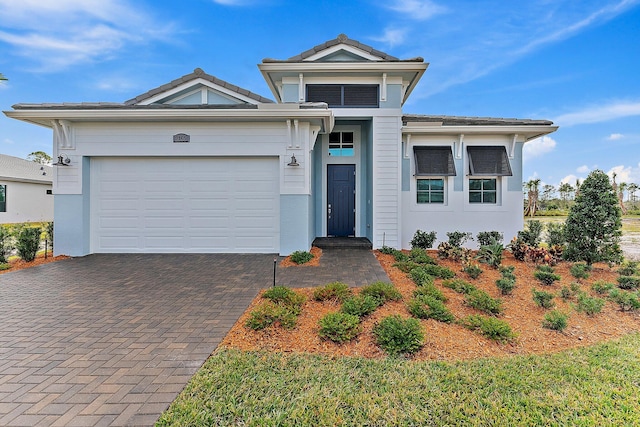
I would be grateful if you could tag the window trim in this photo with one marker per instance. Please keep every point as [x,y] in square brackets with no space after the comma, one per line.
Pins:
[342,143]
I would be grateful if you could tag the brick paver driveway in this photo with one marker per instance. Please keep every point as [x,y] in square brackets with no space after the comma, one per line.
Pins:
[112,339]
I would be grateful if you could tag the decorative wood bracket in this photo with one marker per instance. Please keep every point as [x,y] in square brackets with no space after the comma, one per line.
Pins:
[301,87]
[406,146]
[62,135]
[512,148]
[458,146]
[383,89]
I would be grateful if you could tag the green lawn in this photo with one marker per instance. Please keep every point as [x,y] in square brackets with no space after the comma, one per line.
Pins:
[593,386]
[630,223]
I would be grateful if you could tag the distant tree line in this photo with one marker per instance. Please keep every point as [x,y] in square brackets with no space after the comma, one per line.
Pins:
[549,200]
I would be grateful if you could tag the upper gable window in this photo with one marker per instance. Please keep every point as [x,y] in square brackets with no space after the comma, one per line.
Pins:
[345,96]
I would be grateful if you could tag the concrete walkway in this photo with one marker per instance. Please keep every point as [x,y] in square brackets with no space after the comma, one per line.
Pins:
[112,339]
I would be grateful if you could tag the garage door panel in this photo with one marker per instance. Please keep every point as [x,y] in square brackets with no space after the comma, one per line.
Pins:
[185,205]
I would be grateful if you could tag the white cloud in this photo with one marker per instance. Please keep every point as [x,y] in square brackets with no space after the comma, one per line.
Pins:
[538,147]
[601,113]
[65,32]
[615,136]
[8,141]
[571,179]
[420,10]
[583,169]
[626,174]
[392,37]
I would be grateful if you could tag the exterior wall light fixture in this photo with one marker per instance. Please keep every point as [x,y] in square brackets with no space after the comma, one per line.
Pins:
[63,160]
[294,161]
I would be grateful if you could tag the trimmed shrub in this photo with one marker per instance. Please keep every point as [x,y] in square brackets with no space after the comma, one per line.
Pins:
[531,235]
[400,256]
[439,271]
[336,291]
[472,270]
[458,238]
[406,266]
[420,256]
[28,243]
[301,257]
[360,305]
[627,301]
[387,250]
[518,248]
[480,300]
[426,307]
[423,240]
[284,296]
[4,266]
[556,235]
[381,290]
[628,282]
[545,277]
[486,238]
[5,243]
[490,327]
[629,268]
[420,276]
[269,313]
[508,272]
[589,305]
[459,285]
[339,327]
[543,299]
[431,291]
[396,335]
[506,285]
[601,287]
[555,320]
[580,270]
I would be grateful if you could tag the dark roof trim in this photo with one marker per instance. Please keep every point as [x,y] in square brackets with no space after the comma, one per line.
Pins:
[116,106]
[342,39]
[198,73]
[473,121]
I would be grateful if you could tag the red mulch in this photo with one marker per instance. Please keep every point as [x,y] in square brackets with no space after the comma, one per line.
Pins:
[20,264]
[451,341]
[315,261]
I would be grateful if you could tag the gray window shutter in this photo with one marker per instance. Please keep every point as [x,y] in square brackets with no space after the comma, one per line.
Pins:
[360,95]
[434,161]
[331,94]
[490,161]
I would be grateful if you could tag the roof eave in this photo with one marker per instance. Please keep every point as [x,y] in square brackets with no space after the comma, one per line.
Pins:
[528,131]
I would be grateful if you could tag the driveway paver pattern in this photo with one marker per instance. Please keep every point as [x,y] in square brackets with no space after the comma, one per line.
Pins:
[112,339]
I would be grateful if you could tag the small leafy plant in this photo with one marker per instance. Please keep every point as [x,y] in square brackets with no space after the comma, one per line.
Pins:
[601,287]
[427,307]
[628,282]
[28,242]
[381,290]
[495,329]
[546,275]
[339,327]
[472,270]
[4,266]
[284,296]
[486,238]
[459,285]
[543,299]
[396,335]
[269,313]
[360,305]
[531,235]
[431,291]
[506,285]
[421,277]
[629,268]
[480,300]
[491,254]
[458,238]
[336,291]
[555,320]
[580,270]
[301,257]
[5,244]
[439,271]
[589,305]
[627,301]
[420,256]
[423,240]
[406,266]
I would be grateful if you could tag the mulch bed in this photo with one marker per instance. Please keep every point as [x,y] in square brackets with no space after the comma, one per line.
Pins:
[452,341]
[20,264]
[315,261]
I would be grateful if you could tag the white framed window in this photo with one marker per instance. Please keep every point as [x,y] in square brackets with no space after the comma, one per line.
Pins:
[483,190]
[430,190]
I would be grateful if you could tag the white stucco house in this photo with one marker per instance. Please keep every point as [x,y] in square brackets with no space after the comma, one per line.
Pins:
[201,165]
[25,191]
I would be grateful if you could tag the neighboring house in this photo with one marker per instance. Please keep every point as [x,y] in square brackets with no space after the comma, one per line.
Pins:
[25,191]
[200,165]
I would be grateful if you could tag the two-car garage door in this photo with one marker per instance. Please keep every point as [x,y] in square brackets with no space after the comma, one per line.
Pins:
[193,205]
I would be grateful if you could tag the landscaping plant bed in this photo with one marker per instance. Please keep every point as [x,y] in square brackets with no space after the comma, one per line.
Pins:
[452,341]
[315,261]
[20,264]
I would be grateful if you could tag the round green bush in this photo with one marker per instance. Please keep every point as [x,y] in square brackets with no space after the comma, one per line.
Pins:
[555,320]
[301,257]
[339,327]
[383,291]
[360,305]
[396,335]
[333,291]
[427,307]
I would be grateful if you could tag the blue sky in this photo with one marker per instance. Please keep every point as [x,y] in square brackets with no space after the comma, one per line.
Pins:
[574,62]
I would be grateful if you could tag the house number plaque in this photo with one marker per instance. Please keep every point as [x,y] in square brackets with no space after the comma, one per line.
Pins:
[181,137]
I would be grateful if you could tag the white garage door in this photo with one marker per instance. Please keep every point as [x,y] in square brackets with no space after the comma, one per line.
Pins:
[194,205]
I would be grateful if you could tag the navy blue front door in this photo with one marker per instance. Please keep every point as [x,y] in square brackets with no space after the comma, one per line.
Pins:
[341,200]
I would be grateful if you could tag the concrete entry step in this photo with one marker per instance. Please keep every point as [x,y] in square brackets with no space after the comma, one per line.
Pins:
[342,243]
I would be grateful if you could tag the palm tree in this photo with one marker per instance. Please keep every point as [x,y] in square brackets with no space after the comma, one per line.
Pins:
[532,195]
[632,188]
[619,191]
[565,190]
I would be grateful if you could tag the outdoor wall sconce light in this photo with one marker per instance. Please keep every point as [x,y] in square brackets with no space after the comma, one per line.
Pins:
[63,160]
[293,161]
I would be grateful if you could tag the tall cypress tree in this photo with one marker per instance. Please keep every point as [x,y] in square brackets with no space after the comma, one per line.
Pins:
[594,225]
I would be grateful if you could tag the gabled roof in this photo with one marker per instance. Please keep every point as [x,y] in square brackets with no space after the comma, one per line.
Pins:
[197,74]
[21,170]
[342,39]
